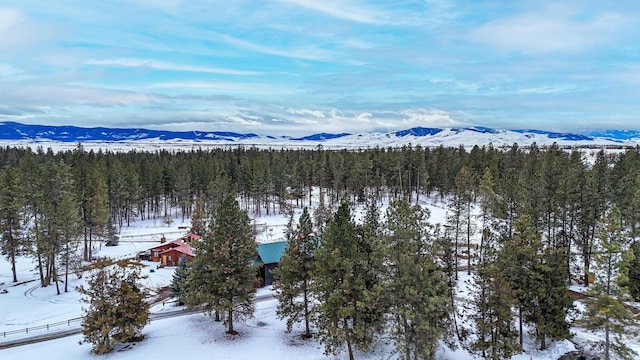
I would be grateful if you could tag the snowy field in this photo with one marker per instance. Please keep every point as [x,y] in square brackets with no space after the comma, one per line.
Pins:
[27,305]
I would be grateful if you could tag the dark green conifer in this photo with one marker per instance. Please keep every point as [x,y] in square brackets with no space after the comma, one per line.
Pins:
[293,274]
[496,337]
[117,310]
[605,308]
[345,302]
[178,283]
[11,205]
[416,287]
[221,280]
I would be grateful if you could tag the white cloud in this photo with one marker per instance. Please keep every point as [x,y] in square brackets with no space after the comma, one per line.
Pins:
[9,18]
[16,30]
[60,95]
[315,113]
[224,87]
[551,29]
[306,53]
[337,114]
[245,119]
[161,65]
[8,71]
[366,118]
[342,9]
[456,84]
[547,89]
[165,5]
[428,118]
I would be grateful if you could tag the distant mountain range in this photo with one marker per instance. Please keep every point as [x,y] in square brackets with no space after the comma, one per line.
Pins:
[13,131]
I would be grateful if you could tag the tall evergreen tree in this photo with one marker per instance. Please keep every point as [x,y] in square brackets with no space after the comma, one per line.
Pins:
[179,285]
[222,275]
[117,310]
[464,188]
[11,206]
[57,223]
[518,262]
[550,303]
[96,216]
[496,337]
[593,205]
[416,287]
[634,271]
[198,218]
[293,274]
[368,270]
[341,287]
[68,228]
[605,307]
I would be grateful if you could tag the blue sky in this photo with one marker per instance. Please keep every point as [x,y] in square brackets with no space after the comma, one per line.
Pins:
[306,66]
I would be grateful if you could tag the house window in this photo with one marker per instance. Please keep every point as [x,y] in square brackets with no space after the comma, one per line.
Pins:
[156,253]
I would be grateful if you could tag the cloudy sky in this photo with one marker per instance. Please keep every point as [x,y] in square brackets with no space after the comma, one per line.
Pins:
[307,66]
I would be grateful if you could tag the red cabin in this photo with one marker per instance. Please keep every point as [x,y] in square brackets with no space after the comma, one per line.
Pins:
[169,253]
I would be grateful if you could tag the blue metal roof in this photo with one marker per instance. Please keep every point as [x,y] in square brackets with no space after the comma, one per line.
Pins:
[271,252]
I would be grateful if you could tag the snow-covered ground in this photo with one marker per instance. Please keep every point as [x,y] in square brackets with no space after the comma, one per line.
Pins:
[447,137]
[27,305]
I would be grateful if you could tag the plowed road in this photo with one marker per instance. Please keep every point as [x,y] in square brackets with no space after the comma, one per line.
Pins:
[76,331]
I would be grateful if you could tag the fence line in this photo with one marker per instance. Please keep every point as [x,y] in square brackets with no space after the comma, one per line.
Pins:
[42,327]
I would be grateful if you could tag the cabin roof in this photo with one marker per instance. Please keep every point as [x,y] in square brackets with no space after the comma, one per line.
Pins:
[271,253]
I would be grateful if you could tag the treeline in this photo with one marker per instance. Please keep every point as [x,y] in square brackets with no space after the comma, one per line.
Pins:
[552,203]
[564,195]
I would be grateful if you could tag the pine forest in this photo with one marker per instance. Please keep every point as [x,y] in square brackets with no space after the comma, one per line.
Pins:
[524,223]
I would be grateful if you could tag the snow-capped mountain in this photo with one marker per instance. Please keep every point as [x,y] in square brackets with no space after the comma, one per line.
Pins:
[67,136]
[16,131]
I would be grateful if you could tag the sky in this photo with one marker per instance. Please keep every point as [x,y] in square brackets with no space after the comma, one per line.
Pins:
[297,67]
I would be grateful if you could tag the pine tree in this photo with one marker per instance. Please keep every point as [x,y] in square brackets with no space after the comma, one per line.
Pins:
[321,217]
[496,337]
[116,310]
[345,302]
[593,203]
[369,266]
[605,307]
[487,204]
[550,303]
[11,204]
[68,229]
[198,218]
[57,224]
[464,190]
[222,275]
[518,262]
[416,287]
[178,283]
[97,209]
[634,272]
[293,274]
[633,223]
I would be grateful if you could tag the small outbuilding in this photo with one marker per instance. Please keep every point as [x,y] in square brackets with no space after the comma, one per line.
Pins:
[269,255]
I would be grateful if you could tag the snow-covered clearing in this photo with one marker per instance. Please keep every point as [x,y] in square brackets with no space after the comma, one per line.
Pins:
[27,305]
